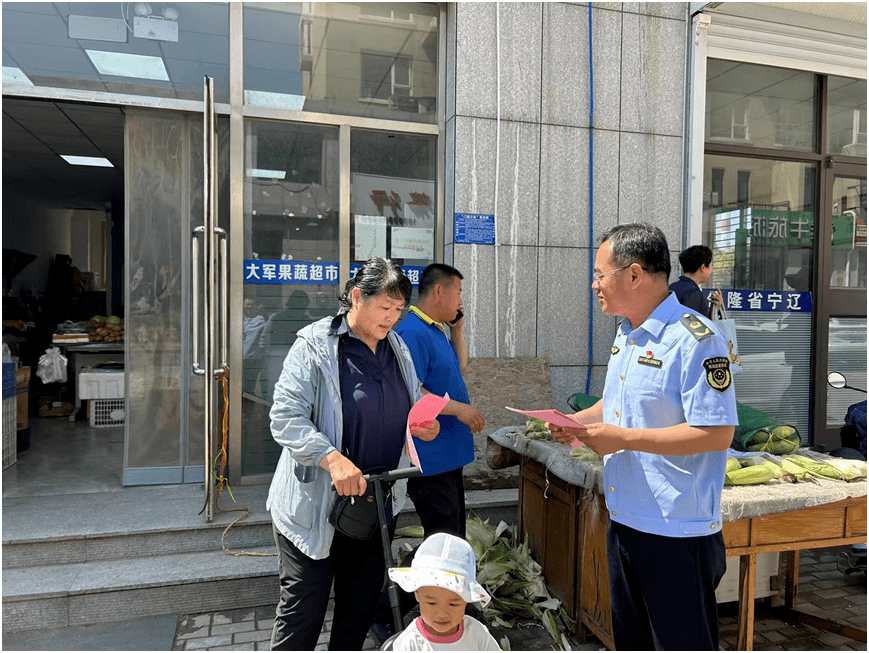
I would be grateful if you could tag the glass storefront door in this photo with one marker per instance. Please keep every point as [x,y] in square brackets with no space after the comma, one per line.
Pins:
[843,287]
[295,238]
[290,261]
[165,405]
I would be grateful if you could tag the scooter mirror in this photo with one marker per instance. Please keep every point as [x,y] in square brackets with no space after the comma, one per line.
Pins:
[837,380]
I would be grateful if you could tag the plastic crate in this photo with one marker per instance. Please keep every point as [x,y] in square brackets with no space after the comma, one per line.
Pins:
[106,413]
[8,380]
[10,440]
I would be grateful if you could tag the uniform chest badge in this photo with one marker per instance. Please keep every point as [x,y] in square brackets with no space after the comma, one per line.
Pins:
[615,350]
[718,373]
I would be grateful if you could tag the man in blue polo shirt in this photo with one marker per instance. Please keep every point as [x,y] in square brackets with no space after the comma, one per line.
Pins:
[663,426]
[439,494]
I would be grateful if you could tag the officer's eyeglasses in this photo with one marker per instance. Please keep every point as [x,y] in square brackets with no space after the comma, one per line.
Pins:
[597,276]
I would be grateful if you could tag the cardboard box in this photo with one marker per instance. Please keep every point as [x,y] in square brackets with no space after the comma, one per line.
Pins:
[22,376]
[22,397]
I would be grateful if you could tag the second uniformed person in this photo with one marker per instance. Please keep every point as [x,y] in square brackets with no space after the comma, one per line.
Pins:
[663,426]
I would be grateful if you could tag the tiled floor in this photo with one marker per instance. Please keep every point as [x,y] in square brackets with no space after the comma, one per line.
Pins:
[823,590]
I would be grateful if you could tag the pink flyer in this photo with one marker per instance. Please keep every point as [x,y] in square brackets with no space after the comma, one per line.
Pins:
[423,412]
[553,417]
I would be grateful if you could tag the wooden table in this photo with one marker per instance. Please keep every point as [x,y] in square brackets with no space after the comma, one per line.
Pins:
[566,528]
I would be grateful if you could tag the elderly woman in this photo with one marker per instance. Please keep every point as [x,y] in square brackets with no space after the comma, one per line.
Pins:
[340,411]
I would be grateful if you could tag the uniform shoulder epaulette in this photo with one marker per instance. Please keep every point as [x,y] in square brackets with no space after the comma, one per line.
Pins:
[695,326]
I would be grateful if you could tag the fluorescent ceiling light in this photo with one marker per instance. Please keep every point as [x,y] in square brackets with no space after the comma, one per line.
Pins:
[87,160]
[275,100]
[12,75]
[266,174]
[128,65]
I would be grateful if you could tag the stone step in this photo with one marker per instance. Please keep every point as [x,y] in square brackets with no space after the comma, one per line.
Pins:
[98,528]
[85,576]
[100,591]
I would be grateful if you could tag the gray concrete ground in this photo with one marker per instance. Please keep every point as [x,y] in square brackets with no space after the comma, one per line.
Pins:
[823,590]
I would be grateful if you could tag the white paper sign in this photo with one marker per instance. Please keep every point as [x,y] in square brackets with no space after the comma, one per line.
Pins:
[370,236]
[408,242]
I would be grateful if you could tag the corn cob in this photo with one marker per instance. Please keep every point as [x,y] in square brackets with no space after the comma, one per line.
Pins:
[732,464]
[817,468]
[753,475]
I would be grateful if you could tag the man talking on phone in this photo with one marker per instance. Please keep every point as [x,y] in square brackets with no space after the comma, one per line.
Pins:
[440,361]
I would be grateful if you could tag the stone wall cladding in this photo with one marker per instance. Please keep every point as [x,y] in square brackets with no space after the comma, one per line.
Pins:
[543,209]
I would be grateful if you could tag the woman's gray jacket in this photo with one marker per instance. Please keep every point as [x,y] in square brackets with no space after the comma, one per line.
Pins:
[306,420]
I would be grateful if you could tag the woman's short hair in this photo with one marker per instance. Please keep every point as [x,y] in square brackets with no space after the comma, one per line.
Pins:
[639,242]
[693,258]
[378,275]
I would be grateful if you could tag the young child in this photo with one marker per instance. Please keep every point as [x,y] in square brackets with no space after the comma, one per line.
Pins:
[443,578]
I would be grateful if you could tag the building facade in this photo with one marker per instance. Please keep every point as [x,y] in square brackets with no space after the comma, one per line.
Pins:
[501,138]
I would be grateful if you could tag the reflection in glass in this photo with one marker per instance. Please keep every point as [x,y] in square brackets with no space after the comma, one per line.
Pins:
[118,47]
[847,355]
[776,364]
[370,59]
[291,222]
[759,221]
[392,179]
[846,116]
[848,247]
[761,106]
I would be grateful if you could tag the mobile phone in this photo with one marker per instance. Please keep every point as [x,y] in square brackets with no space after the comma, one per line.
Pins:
[459,316]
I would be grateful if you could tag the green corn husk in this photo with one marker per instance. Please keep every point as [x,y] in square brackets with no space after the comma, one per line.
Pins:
[732,464]
[410,531]
[817,468]
[799,473]
[514,581]
[754,475]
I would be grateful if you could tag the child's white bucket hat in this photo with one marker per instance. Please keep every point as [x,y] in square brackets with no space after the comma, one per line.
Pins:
[446,561]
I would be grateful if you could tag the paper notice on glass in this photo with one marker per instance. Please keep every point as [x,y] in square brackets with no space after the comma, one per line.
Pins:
[423,412]
[370,236]
[408,242]
[553,417]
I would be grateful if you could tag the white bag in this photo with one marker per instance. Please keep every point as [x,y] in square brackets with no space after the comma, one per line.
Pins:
[728,327]
[52,366]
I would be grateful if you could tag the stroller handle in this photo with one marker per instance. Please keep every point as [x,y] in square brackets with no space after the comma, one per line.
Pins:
[394,475]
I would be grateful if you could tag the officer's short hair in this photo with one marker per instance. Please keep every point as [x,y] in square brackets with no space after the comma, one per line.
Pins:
[434,274]
[639,242]
[693,258]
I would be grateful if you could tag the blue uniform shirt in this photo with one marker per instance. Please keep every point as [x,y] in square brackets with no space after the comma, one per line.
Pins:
[672,369]
[437,367]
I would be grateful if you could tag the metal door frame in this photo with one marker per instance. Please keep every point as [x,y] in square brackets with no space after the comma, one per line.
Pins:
[829,302]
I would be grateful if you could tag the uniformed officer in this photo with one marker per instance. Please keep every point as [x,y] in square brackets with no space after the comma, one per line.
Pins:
[663,426]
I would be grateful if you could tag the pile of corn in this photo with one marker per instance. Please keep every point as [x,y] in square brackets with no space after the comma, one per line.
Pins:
[513,579]
[778,440]
[793,468]
[839,469]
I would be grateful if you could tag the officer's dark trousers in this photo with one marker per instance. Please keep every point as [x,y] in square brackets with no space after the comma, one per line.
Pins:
[439,500]
[662,590]
[358,568]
